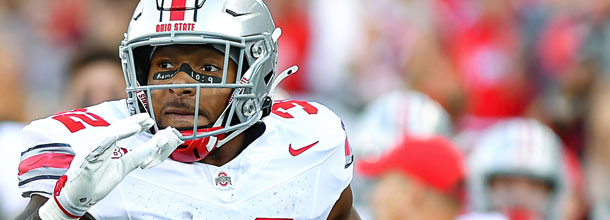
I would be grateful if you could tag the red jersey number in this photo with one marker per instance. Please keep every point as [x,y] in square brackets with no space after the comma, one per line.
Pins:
[68,119]
[288,104]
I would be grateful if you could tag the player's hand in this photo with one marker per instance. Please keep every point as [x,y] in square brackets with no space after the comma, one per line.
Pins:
[91,177]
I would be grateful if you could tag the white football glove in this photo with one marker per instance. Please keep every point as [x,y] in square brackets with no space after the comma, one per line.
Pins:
[91,177]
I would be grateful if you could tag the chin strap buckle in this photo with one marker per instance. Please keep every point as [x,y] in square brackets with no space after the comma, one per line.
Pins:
[266,107]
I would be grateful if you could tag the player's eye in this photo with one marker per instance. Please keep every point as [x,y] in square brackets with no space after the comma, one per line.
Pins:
[166,65]
[210,68]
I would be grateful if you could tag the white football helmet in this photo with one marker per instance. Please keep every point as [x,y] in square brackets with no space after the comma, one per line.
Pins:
[395,114]
[384,123]
[517,147]
[241,29]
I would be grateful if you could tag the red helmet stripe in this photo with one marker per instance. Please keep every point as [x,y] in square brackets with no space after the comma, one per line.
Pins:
[177,10]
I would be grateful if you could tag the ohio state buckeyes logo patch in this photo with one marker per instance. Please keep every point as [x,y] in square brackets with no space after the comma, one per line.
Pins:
[223,181]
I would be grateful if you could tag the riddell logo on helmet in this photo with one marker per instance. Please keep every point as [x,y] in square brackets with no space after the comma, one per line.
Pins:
[175,27]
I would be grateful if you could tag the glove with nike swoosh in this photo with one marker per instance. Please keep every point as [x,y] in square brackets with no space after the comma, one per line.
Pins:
[91,177]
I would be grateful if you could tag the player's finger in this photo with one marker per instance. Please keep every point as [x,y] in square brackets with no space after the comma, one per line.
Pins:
[132,125]
[139,155]
[117,131]
[103,147]
[165,148]
[154,151]
[143,120]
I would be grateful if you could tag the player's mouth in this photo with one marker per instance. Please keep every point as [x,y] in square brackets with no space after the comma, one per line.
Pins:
[180,114]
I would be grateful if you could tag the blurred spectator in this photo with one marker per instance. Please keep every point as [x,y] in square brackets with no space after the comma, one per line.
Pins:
[411,57]
[95,76]
[11,114]
[597,43]
[382,53]
[596,156]
[517,168]
[565,78]
[430,71]
[11,86]
[106,21]
[380,59]
[421,178]
[488,58]
[46,33]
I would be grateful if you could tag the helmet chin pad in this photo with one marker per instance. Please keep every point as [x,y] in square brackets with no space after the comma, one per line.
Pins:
[196,149]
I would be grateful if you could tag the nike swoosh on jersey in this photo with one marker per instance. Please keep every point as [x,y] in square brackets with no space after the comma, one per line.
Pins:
[296,152]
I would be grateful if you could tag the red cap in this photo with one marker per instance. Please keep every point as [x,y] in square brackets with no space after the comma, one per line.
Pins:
[433,160]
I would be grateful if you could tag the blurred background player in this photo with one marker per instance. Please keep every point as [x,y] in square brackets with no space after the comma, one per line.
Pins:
[517,168]
[420,178]
[383,124]
[395,114]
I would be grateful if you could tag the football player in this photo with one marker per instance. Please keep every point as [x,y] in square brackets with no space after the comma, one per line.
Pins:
[516,169]
[395,114]
[420,178]
[392,116]
[198,74]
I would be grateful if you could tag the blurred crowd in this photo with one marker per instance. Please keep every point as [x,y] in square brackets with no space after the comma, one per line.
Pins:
[390,68]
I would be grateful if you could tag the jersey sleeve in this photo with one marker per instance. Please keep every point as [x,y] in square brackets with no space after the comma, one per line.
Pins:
[339,175]
[45,157]
[50,144]
[340,161]
[338,165]
[315,138]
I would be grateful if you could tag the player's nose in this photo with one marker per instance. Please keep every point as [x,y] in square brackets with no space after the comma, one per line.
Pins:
[183,78]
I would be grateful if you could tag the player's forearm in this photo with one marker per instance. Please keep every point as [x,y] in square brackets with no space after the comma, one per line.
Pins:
[34,216]
[28,216]
[31,210]
[353,215]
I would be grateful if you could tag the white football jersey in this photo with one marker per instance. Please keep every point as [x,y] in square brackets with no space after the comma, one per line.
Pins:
[296,169]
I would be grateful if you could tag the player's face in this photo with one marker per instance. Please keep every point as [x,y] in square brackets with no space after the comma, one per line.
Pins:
[391,197]
[176,107]
[520,197]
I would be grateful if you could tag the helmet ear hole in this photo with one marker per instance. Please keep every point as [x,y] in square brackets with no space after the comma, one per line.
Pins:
[142,56]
